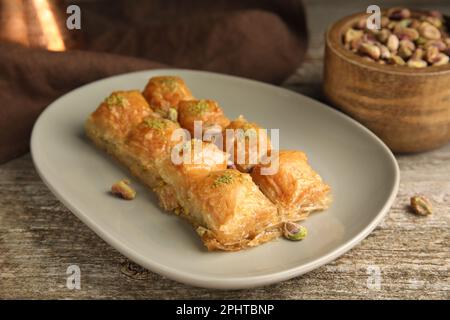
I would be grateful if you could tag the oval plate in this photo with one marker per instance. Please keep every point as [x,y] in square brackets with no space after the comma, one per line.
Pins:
[362,172]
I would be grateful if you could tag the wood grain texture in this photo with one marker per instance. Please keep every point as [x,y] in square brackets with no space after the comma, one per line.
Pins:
[40,238]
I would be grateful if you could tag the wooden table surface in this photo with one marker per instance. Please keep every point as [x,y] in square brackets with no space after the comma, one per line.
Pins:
[409,255]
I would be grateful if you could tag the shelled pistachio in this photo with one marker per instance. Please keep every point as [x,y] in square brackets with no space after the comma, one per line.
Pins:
[421,206]
[406,38]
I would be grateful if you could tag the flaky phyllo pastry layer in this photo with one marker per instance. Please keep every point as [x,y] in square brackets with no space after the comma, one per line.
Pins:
[231,205]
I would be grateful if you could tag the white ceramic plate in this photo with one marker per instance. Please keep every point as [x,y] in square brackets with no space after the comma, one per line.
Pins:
[361,170]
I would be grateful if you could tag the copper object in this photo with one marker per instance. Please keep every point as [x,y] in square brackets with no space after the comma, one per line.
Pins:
[35,23]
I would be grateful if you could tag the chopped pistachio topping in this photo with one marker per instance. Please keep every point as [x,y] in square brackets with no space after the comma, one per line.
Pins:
[117,100]
[170,82]
[173,114]
[157,124]
[421,205]
[225,178]
[199,107]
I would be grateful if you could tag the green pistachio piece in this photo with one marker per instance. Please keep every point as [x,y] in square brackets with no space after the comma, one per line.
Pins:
[417,63]
[397,60]
[428,31]
[117,100]
[295,232]
[370,50]
[199,107]
[157,124]
[421,205]
[123,190]
[173,114]
[226,178]
[441,59]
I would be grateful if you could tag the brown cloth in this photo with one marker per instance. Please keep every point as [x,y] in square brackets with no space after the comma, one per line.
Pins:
[259,39]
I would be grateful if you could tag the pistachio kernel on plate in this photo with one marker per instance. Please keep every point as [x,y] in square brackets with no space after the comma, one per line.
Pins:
[294,231]
[123,190]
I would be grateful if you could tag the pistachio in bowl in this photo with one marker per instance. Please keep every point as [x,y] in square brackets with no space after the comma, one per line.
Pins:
[395,80]
[406,38]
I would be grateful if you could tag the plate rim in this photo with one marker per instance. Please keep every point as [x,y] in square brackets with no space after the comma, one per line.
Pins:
[207,281]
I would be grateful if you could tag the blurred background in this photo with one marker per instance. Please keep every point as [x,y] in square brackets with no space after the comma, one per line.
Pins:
[122,27]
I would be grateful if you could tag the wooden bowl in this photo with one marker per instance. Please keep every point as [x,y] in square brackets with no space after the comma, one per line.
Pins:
[408,108]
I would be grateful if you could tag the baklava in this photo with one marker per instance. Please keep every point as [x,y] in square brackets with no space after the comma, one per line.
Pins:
[228,198]
[294,187]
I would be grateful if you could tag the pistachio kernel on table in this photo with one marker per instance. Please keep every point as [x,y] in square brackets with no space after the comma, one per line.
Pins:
[415,40]
[421,206]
